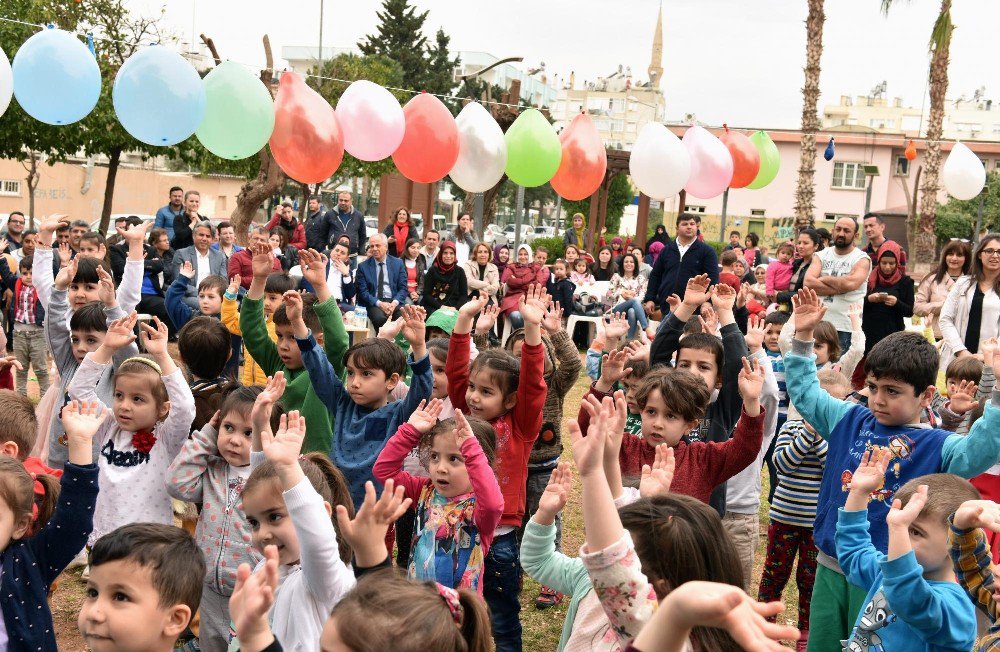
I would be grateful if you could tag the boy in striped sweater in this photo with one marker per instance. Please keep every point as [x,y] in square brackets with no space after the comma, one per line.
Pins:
[799,456]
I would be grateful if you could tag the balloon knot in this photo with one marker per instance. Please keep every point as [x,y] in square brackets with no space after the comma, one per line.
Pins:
[725,126]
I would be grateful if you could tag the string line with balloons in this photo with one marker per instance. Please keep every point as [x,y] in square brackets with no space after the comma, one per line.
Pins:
[161,100]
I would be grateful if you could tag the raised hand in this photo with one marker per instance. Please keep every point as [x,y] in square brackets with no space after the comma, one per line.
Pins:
[391,328]
[809,311]
[186,270]
[755,333]
[234,284]
[854,314]
[616,326]
[135,233]
[414,324]
[742,295]
[552,322]
[283,448]
[262,261]
[656,479]
[251,601]
[487,319]
[698,291]
[723,298]
[293,306]
[66,275]
[533,303]
[65,253]
[313,265]
[988,348]
[366,531]
[751,379]
[10,361]
[106,288]
[672,302]
[616,420]
[49,225]
[81,421]
[473,306]
[638,350]
[154,340]
[121,332]
[963,398]
[978,514]
[463,430]
[556,494]
[870,474]
[613,368]
[426,415]
[901,517]
[588,451]
[263,405]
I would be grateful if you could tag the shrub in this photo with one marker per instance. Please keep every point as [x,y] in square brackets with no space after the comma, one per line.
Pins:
[554,244]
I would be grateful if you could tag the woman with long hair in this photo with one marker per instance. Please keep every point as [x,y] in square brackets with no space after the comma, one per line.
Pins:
[625,292]
[400,231]
[284,252]
[807,243]
[956,259]
[464,238]
[481,274]
[604,267]
[444,283]
[285,218]
[415,267]
[971,313]
[752,251]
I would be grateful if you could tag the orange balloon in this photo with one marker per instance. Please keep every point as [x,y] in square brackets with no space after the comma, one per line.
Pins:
[746,158]
[911,151]
[430,143]
[307,141]
[584,160]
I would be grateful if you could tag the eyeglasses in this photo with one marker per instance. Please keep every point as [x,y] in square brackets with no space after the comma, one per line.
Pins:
[991,252]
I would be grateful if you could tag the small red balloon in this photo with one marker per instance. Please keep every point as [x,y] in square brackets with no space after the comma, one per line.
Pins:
[430,143]
[307,141]
[746,158]
[584,160]
[911,151]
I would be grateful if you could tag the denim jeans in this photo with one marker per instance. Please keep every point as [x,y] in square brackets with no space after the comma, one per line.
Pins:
[635,314]
[502,589]
[538,479]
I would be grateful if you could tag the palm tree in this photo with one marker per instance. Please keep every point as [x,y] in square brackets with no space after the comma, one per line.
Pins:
[922,246]
[805,194]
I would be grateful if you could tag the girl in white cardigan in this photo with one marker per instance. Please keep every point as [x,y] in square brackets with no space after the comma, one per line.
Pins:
[975,299]
[153,410]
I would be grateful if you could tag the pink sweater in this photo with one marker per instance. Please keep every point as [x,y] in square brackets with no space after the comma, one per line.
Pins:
[778,276]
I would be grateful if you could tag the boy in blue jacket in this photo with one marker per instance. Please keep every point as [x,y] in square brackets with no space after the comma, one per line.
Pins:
[914,601]
[901,371]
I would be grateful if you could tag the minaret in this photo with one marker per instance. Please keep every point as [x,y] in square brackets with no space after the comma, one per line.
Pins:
[656,61]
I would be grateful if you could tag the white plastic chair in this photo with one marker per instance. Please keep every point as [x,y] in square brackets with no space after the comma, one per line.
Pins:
[592,324]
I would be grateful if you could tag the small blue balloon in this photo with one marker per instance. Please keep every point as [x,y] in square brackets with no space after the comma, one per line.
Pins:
[56,78]
[159,98]
[828,154]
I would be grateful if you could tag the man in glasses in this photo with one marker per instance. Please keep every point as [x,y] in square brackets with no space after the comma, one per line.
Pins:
[15,231]
[875,234]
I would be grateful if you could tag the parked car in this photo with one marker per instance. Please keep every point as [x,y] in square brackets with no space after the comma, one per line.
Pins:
[96,224]
[527,233]
[371,226]
[545,231]
[493,235]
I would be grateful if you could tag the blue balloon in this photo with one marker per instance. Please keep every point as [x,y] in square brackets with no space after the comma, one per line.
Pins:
[56,78]
[828,154]
[159,98]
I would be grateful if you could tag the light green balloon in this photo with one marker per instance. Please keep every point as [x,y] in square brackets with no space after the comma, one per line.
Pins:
[770,160]
[239,112]
[533,150]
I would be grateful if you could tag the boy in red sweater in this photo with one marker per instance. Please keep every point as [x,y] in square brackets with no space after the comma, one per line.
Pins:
[509,394]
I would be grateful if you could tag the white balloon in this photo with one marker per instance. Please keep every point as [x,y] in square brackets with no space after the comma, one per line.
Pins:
[371,119]
[660,164]
[6,82]
[482,150]
[963,174]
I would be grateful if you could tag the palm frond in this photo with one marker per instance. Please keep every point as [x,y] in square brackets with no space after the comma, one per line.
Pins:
[941,34]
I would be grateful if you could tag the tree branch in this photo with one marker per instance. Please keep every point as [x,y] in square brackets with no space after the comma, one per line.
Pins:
[211,48]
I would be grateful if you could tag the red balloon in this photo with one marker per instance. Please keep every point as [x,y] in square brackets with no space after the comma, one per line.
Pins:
[307,141]
[430,143]
[911,151]
[746,158]
[584,160]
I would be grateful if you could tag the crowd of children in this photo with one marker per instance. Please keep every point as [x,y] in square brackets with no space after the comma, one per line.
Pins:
[304,475]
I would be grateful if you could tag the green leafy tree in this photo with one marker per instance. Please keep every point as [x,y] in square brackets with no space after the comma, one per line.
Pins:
[620,195]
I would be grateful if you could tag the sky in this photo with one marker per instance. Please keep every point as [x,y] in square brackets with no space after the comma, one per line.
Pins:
[733,61]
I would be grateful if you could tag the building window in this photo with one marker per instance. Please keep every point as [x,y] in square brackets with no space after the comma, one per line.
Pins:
[618,125]
[881,123]
[756,212]
[902,167]
[595,104]
[688,208]
[10,188]
[631,127]
[617,105]
[848,175]
[996,164]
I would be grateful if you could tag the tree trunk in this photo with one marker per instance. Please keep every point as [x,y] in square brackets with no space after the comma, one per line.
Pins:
[923,247]
[32,180]
[805,194]
[269,179]
[114,160]
[912,223]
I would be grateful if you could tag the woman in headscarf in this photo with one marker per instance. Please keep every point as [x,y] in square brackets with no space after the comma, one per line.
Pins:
[660,235]
[445,282]
[578,235]
[501,257]
[890,297]
[654,249]
[517,277]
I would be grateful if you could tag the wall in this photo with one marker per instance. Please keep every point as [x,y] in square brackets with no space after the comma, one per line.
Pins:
[61,190]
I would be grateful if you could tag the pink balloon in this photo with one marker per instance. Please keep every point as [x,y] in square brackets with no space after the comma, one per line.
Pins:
[372,121]
[711,164]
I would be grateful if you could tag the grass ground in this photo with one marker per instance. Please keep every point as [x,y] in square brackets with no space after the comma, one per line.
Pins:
[541,628]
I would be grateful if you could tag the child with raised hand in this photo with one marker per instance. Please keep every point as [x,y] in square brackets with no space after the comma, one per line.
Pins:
[827,343]
[69,341]
[153,409]
[31,563]
[212,469]
[913,601]
[509,394]
[970,556]
[644,550]
[461,498]
[210,292]
[901,375]
[275,286]
[288,501]
[321,316]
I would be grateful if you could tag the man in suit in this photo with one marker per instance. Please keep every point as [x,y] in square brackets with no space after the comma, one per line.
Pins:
[682,259]
[381,282]
[345,219]
[205,260]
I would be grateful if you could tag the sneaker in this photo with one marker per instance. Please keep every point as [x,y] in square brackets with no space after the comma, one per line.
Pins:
[800,645]
[547,598]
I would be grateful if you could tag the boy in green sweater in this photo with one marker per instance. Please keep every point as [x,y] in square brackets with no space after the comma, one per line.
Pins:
[322,316]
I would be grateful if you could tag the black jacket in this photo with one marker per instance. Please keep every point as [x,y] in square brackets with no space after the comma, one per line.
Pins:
[671,272]
[355,229]
[319,226]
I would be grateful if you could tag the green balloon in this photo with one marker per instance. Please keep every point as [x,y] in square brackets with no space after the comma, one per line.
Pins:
[770,160]
[533,150]
[239,112]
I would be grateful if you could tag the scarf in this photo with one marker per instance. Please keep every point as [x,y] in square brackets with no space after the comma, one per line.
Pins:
[496,258]
[876,278]
[654,250]
[441,267]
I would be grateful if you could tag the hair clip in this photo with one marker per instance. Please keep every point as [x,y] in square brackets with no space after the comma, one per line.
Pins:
[450,597]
